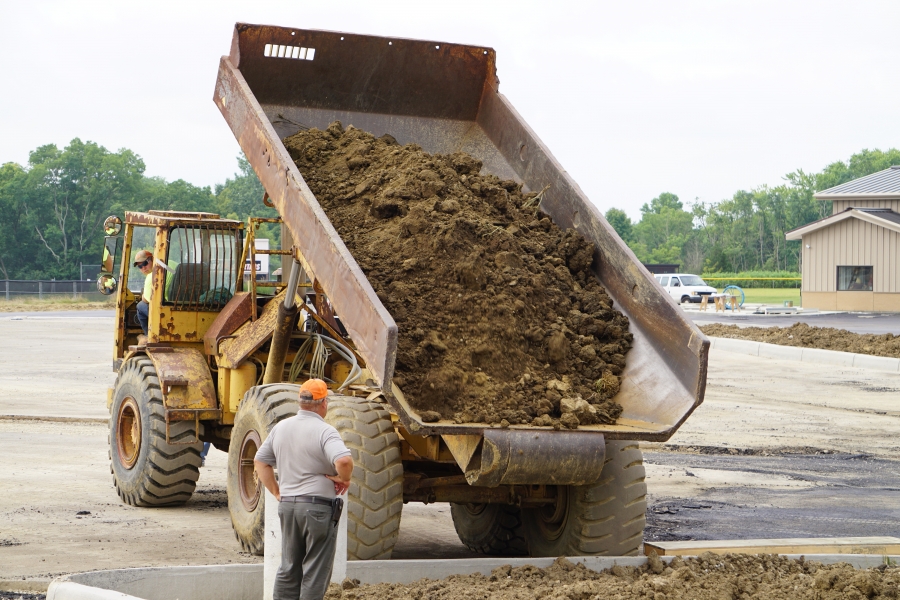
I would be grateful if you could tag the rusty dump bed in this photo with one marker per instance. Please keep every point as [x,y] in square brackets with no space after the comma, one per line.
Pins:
[445,98]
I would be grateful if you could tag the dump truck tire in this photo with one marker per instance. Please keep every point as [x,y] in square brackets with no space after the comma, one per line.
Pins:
[260,409]
[493,529]
[375,498]
[604,518]
[148,471]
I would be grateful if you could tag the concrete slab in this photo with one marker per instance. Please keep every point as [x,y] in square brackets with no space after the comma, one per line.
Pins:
[880,363]
[780,352]
[808,355]
[214,582]
[827,357]
[739,346]
[881,546]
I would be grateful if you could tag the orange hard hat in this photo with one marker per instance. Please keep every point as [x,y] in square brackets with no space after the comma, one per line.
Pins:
[316,387]
[141,256]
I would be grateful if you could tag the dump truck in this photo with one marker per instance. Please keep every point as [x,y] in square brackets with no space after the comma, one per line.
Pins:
[225,352]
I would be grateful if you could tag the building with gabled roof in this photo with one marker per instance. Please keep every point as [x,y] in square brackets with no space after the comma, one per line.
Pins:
[851,259]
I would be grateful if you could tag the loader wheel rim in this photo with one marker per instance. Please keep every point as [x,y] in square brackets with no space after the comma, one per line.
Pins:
[248,484]
[551,519]
[128,432]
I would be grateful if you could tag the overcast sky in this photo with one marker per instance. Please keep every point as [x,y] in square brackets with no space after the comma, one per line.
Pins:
[634,98]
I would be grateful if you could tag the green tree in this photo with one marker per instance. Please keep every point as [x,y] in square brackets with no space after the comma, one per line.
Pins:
[67,194]
[663,230]
[241,196]
[176,195]
[620,222]
[16,241]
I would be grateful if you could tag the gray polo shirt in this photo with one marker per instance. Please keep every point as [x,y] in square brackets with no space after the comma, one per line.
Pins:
[303,449]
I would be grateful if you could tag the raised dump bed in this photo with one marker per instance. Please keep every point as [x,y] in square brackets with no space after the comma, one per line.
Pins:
[445,98]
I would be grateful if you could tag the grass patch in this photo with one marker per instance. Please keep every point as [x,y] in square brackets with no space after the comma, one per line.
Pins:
[775,296]
[55,304]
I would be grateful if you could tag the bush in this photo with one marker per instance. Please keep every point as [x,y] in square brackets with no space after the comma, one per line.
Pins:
[754,279]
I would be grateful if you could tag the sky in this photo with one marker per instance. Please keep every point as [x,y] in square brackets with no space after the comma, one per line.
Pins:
[696,98]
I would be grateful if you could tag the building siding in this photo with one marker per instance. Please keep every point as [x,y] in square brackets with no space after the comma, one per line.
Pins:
[842,205]
[851,242]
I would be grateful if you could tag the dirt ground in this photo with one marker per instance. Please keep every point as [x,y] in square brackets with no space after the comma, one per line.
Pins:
[776,450]
[500,319]
[14,306]
[707,577]
[810,336]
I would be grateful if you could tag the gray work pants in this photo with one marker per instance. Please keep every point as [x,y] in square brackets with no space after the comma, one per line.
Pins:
[308,539]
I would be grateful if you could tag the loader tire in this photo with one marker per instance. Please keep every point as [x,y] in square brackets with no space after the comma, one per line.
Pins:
[606,518]
[260,409]
[148,471]
[493,529]
[375,498]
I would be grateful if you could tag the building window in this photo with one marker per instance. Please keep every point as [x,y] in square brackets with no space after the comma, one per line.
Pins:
[854,279]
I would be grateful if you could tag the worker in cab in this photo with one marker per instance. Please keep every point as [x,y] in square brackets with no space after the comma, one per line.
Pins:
[143,260]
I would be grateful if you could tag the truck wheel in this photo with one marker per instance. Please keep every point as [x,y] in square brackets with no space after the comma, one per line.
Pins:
[604,518]
[146,470]
[685,299]
[494,529]
[260,409]
[376,489]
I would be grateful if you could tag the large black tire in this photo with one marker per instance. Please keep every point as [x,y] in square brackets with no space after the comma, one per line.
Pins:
[494,529]
[605,518]
[375,498]
[260,409]
[146,470]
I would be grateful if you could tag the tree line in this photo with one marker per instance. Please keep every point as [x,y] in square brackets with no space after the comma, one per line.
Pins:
[744,232]
[52,209]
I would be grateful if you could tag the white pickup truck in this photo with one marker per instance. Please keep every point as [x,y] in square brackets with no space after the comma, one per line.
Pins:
[684,287]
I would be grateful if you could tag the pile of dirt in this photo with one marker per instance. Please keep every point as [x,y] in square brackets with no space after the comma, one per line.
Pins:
[501,320]
[807,336]
[707,577]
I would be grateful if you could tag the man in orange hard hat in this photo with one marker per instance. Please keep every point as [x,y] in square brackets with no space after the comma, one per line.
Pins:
[314,466]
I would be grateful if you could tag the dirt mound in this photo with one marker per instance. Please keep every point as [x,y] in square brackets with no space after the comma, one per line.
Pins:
[707,577]
[807,336]
[500,318]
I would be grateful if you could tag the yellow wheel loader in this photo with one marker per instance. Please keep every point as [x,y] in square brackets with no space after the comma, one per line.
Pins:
[224,355]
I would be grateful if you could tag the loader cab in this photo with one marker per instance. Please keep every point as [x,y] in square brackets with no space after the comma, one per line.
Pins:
[196,271]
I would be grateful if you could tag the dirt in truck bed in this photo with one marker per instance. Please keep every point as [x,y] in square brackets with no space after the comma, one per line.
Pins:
[707,577]
[809,336]
[500,317]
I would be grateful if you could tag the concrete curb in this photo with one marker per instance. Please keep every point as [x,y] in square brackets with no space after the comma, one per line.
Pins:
[215,582]
[810,355]
[245,582]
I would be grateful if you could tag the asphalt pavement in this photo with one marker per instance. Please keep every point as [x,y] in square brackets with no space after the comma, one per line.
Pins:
[827,494]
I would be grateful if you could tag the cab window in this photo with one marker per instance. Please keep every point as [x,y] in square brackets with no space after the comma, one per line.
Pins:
[142,238]
[201,267]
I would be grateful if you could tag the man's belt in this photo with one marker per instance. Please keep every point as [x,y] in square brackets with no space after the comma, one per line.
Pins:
[337,505]
[308,499]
